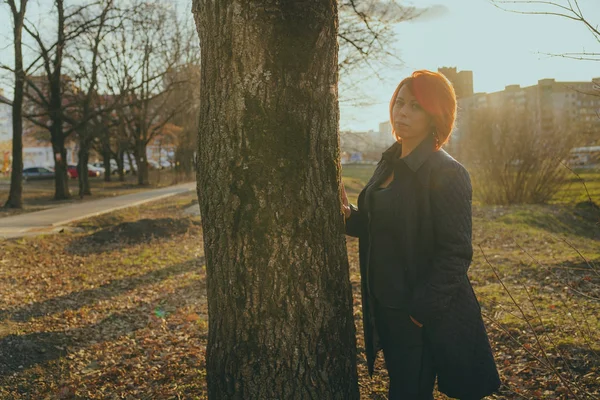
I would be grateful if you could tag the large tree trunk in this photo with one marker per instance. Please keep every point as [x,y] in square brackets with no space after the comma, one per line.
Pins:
[15,196]
[279,295]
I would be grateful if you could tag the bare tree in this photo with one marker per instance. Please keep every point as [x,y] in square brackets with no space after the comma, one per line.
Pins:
[151,46]
[115,138]
[187,117]
[15,196]
[49,93]
[85,58]
[366,40]
[107,140]
[513,160]
[570,10]
[279,295]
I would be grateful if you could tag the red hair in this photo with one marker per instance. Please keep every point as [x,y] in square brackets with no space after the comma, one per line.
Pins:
[435,94]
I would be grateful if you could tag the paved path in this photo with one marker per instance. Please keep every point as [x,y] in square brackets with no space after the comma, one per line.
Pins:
[51,220]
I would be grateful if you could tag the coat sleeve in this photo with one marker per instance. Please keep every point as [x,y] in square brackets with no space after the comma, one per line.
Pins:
[451,196]
[356,224]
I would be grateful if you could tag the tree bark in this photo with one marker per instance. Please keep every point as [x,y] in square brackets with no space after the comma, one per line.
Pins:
[132,168]
[142,163]
[55,112]
[82,169]
[279,295]
[61,176]
[121,165]
[106,155]
[15,195]
[184,161]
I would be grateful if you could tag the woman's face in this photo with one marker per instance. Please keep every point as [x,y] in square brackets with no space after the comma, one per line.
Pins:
[410,120]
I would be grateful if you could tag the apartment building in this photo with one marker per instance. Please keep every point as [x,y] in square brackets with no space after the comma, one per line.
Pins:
[550,104]
[462,81]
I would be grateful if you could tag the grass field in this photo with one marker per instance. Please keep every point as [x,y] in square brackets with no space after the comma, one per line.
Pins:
[578,187]
[579,184]
[107,312]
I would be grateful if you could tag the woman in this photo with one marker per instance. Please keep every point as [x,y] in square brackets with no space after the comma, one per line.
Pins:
[413,222]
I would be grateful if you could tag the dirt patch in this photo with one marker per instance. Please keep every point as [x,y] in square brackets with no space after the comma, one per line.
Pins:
[142,230]
[18,352]
[131,233]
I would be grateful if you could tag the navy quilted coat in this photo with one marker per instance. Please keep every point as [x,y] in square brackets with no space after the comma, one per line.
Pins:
[433,212]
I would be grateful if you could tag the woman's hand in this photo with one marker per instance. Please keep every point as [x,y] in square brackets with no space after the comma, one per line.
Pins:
[345,204]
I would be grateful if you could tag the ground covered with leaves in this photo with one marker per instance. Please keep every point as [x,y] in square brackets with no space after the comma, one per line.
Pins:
[118,309]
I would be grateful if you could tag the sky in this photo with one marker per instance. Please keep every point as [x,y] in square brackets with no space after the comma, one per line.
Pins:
[501,48]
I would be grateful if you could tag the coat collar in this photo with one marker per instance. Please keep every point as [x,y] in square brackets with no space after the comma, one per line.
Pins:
[416,158]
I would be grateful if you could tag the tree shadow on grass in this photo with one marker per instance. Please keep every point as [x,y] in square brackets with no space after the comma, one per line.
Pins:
[581,277]
[19,352]
[76,300]
[581,220]
[525,361]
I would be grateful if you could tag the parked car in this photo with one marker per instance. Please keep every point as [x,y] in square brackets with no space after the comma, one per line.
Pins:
[113,166]
[155,165]
[93,172]
[167,164]
[98,164]
[37,173]
[96,167]
[164,164]
[115,170]
[72,172]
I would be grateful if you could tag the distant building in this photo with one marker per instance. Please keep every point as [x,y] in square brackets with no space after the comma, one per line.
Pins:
[37,148]
[5,118]
[385,131]
[5,133]
[462,81]
[353,141]
[369,144]
[549,103]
